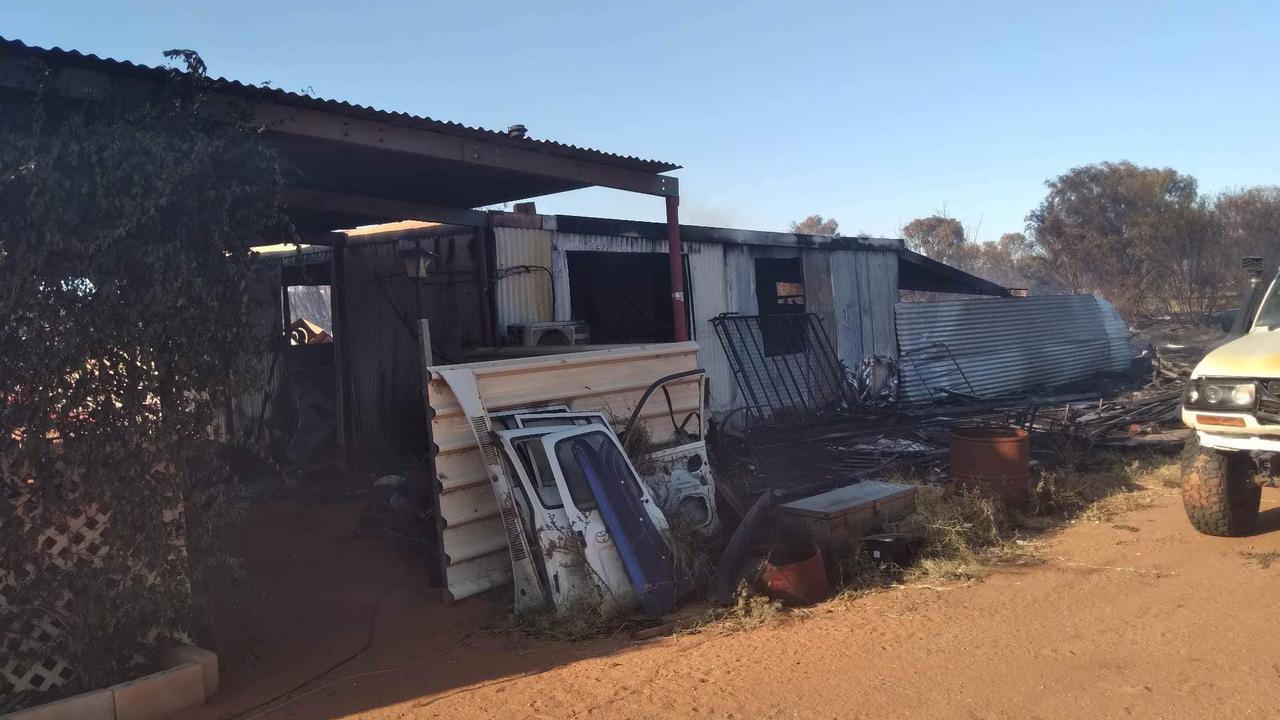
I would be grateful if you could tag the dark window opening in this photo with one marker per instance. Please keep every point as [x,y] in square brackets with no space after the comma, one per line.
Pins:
[624,297]
[780,297]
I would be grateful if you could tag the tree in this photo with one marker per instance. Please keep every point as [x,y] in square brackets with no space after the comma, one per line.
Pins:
[1014,245]
[816,225]
[1250,223]
[939,237]
[1008,261]
[1111,227]
[126,307]
[1189,261]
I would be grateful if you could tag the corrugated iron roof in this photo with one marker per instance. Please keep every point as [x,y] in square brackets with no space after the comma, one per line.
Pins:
[59,56]
[920,272]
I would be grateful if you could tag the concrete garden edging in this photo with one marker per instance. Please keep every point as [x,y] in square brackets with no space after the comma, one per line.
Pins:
[189,678]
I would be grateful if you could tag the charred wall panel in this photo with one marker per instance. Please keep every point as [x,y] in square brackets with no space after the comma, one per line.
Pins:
[388,415]
[865,288]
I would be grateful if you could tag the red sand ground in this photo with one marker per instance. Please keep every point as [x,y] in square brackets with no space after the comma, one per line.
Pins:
[1140,618]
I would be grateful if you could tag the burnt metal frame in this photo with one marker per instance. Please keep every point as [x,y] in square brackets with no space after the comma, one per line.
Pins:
[769,399]
[945,354]
[661,383]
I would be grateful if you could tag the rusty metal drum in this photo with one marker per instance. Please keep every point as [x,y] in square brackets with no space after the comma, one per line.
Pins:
[795,575]
[993,461]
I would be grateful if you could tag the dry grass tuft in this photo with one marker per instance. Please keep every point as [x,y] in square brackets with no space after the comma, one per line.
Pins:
[691,553]
[1056,492]
[860,574]
[964,536]
[750,610]
[1263,560]
[1099,490]
[1167,475]
[1125,485]
[1115,505]
[582,621]
[639,445]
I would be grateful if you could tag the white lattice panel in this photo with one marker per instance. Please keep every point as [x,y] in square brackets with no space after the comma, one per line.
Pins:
[77,539]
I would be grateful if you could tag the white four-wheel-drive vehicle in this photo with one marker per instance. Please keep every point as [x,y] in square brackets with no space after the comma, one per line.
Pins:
[1233,404]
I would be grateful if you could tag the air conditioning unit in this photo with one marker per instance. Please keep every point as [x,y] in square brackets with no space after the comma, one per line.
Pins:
[541,334]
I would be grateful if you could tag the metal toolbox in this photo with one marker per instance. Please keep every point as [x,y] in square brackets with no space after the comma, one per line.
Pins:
[835,520]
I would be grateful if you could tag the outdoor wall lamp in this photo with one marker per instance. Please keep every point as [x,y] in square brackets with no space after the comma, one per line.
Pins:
[416,261]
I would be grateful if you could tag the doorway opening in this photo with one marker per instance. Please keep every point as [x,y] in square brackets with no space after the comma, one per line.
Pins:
[309,361]
[625,297]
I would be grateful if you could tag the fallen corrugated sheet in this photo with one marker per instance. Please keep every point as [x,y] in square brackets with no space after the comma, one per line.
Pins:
[1003,346]
[611,381]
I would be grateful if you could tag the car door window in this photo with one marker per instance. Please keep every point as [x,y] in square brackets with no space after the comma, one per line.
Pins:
[536,466]
[595,451]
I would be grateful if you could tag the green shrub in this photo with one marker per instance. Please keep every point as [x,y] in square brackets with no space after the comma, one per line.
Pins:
[126,305]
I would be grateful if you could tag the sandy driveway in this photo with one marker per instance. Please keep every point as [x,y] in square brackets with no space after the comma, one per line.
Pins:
[1136,618]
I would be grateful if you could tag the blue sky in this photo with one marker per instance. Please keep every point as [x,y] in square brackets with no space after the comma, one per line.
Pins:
[872,112]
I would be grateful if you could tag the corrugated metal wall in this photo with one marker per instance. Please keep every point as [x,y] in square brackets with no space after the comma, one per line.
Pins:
[521,296]
[474,543]
[383,307]
[1009,345]
[853,291]
[709,294]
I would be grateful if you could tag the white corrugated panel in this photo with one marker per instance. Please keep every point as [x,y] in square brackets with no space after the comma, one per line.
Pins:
[708,293]
[1004,346]
[522,291]
[472,537]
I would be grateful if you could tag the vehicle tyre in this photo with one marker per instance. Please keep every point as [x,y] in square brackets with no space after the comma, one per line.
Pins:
[1218,492]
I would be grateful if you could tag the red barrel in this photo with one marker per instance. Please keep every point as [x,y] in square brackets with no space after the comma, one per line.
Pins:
[993,461]
[795,575]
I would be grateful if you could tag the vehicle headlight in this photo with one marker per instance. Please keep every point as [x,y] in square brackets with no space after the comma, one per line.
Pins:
[1243,395]
[1240,395]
